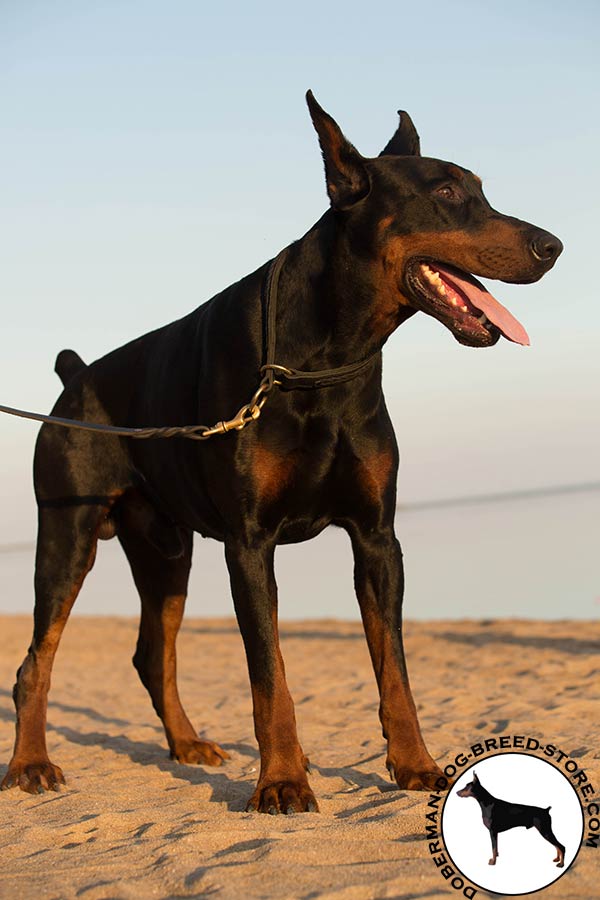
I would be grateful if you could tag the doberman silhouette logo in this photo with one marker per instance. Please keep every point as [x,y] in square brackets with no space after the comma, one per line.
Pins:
[521,808]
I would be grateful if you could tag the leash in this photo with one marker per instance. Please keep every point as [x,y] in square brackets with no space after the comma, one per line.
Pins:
[272,374]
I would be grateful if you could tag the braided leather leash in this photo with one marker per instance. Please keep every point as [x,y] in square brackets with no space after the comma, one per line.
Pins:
[272,374]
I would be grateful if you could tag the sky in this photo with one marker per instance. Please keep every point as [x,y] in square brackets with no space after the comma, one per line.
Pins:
[152,153]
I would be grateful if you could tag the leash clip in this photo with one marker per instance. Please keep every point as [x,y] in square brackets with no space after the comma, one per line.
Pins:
[248,413]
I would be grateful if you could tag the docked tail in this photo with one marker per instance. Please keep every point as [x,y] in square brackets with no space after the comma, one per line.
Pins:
[68,363]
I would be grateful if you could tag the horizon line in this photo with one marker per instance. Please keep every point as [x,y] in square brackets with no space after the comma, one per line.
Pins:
[440,502]
[499,496]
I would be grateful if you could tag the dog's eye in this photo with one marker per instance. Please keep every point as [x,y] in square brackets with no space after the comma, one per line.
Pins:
[448,192]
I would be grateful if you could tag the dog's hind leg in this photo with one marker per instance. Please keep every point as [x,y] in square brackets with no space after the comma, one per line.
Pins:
[162,586]
[544,826]
[66,549]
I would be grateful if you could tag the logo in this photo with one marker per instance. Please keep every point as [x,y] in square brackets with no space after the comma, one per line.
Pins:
[513,822]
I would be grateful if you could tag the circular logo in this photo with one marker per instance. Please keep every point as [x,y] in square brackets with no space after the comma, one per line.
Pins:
[512,823]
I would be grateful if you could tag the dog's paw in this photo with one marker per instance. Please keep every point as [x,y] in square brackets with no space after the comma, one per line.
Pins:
[417,778]
[198,752]
[491,862]
[286,797]
[33,778]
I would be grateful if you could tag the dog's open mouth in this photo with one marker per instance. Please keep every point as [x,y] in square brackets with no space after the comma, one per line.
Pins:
[462,303]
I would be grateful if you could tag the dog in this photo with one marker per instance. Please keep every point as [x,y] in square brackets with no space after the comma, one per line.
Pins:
[403,233]
[500,815]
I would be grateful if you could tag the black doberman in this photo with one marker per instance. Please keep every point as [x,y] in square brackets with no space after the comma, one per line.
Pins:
[500,815]
[402,234]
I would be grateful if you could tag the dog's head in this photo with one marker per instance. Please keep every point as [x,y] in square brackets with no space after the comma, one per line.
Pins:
[470,788]
[426,229]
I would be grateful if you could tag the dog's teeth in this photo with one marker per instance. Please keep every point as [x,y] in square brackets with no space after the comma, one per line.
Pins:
[482,318]
[442,290]
[464,308]
[454,301]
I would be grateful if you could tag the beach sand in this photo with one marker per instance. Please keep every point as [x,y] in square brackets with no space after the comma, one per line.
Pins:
[133,824]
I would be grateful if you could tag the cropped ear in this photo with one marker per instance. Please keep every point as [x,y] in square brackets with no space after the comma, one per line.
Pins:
[405,142]
[345,170]
[475,778]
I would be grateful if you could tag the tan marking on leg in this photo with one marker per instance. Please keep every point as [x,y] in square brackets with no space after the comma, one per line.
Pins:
[282,784]
[178,727]
[162,586]
[183,741]
[30,755]
[408,759]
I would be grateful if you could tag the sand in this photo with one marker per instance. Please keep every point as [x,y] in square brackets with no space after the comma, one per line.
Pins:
[133,824]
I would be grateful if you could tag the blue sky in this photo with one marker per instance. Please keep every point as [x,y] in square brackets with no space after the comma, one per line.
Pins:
[151,153]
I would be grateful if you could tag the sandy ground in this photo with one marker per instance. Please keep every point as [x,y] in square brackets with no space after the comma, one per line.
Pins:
[133,824]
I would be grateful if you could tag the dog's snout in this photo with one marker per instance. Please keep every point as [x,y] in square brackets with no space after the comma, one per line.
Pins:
[546,247]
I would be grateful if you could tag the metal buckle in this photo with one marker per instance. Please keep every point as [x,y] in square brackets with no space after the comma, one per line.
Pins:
[270,367]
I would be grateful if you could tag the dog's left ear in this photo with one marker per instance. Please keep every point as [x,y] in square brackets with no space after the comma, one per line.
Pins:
[405,141]
[345,170]
[475,778]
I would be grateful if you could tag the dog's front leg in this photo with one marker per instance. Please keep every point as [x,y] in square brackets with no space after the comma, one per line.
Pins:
[494,837]
[379,581]
[282,785]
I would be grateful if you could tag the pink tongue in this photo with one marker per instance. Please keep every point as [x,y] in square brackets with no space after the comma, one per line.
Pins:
[483,300]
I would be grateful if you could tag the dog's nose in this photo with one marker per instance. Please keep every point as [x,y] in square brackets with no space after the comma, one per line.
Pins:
[546,247]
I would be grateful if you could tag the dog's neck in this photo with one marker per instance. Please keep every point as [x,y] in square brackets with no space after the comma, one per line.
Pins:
[327,306]
[483,797]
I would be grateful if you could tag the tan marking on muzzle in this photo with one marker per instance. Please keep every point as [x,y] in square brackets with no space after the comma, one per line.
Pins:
[498,250]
